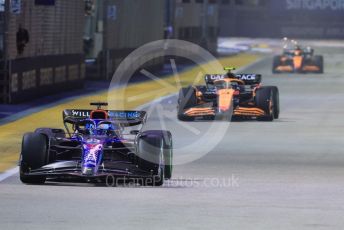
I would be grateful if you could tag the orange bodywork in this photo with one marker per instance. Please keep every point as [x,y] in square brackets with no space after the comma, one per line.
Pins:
[311,68]
[195,112]
[239,111]
[288,68]
[225,97]
[285,68]
[225,102]
[243,111]
[297,62]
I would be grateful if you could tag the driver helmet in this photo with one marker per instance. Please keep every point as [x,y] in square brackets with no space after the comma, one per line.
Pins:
[90,128]
[229,73]
[106,128]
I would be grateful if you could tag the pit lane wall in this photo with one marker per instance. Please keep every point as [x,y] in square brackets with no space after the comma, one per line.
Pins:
[44,48]
[320,19]
[115,28]
[197,21]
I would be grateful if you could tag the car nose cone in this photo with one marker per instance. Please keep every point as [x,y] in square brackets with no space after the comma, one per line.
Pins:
[87,171]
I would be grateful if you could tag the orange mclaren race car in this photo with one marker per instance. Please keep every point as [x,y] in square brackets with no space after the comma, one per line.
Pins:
[229,95]
[298,60]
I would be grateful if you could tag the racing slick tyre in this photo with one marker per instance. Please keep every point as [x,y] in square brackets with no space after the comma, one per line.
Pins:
[153,147]
[33,156]
[319,61]
[187,99]
[276,108]
[266,101]
[168,154]
[276,62]
[168,150]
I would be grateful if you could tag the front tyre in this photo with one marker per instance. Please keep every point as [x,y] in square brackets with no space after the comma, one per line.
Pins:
[186,99]
[276,63]
[266,100]
[33,156]
[168,153]
[276,108]
[155,156]
[319,61]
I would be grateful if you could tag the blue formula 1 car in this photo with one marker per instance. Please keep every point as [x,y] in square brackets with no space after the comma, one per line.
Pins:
[99,144]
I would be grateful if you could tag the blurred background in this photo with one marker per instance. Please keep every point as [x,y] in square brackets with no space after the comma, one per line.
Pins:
[50,46]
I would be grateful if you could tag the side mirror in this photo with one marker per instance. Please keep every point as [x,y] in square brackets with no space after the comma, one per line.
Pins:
[134,132]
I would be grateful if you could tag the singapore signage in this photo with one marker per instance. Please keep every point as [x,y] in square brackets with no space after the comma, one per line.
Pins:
[334,5]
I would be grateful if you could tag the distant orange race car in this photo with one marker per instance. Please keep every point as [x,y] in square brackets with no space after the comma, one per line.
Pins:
[229,95]
[298,60]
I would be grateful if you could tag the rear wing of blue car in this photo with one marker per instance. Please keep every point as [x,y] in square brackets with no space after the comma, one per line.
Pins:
[123,117]
[249,79]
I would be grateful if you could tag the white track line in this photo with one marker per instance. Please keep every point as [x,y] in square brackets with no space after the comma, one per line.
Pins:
[9,173]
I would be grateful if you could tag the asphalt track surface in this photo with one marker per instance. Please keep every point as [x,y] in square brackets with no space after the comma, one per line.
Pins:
[286,174]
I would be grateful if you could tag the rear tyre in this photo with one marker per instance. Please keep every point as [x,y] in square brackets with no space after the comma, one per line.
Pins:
[265,101]
[33,156]
[151,156]
[319,61]
[187,99]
